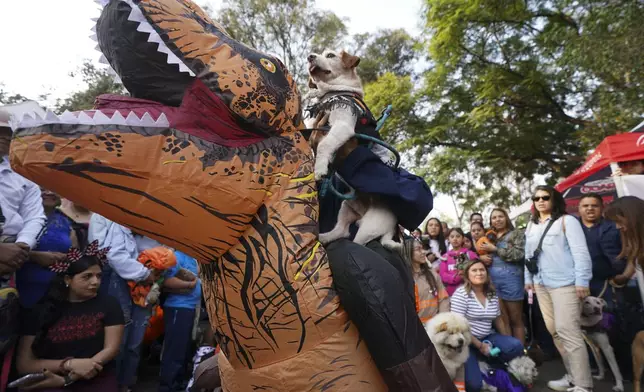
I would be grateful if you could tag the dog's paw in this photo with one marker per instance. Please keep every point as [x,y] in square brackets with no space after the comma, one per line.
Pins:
[392,245]
[321,171]
[599,377]
[325,238]
[618,388]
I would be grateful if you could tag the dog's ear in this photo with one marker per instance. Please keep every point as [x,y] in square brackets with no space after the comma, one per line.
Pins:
[442,327]
[312,84]
[349,61]
[603,301]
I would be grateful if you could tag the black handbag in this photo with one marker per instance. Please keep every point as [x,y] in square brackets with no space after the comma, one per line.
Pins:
[532,263]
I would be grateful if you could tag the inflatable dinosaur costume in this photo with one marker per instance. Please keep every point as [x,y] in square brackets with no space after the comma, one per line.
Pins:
[207,157]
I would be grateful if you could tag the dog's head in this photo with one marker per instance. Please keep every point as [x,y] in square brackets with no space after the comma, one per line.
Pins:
[592,311]
[524,370]
[592,306]
[335,68]
[450,332]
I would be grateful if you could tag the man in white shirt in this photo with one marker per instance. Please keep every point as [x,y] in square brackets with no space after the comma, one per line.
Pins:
[123,266]
[22,215]
[22,218]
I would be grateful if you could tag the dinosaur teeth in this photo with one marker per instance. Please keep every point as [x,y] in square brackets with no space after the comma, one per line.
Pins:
[100,118]
[68,118]
[144,27]
[51,117]
[103,60]
[132,119]
[84,118]
[90,117]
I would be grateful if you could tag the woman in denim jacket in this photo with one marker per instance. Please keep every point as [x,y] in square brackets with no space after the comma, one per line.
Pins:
[561,283]
[505,262]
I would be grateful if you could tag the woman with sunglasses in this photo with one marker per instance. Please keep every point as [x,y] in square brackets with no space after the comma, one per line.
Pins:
[560,275]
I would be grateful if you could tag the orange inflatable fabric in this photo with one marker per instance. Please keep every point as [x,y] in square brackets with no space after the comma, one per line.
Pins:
[206,157]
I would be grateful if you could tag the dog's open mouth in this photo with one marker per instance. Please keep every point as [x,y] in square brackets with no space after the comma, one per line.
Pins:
[455,348]
[314,69]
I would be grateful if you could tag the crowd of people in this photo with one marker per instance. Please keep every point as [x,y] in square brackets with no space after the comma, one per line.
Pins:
[78,325]
[559,258]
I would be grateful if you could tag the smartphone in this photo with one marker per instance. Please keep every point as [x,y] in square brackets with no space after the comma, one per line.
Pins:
[27,380]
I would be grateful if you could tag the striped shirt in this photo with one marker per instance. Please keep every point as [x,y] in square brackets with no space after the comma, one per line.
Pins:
[480,317]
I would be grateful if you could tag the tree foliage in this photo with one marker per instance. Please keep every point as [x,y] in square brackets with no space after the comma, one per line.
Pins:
[7,98]
[519,88]
[98,82]
[289,29]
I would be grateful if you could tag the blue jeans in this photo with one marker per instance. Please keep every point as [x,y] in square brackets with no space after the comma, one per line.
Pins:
[178,334]
[510,348]
[136,322]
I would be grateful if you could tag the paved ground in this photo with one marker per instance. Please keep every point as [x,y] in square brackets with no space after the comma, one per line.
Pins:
[549,371]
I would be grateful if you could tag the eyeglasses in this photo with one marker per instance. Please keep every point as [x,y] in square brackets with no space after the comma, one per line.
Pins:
[538,198]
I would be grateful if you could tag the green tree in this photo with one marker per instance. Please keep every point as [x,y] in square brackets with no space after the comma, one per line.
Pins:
[98,82]
[385,51]
[7,98]
[524,87]
[290,29]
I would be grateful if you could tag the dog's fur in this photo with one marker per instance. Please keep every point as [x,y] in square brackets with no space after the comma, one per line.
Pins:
[336,72]
[451,336]
[591,314]
[637,350]
[522,368]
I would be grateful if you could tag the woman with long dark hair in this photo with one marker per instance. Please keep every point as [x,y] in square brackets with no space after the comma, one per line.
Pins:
[431,296]
[505,259]
[434,242]
[73,334]
[58,236]
[559,273]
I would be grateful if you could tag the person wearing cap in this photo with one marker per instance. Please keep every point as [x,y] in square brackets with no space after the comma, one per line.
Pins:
[22,214]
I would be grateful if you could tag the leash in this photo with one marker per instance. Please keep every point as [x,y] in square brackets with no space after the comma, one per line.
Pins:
[327,184]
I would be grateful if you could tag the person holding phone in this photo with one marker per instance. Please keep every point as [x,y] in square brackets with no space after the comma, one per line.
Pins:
[73,335]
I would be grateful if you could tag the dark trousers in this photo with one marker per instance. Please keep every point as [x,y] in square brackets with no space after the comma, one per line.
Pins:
[178,333]
[375,289]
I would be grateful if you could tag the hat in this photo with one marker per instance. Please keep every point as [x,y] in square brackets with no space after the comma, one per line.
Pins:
[17,111]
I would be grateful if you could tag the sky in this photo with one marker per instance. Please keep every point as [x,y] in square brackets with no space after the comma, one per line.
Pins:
[38,54]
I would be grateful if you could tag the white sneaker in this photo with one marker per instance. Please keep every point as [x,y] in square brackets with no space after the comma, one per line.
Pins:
[564,384]
[579,389]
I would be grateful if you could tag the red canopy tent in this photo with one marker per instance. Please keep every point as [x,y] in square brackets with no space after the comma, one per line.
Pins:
[594,176]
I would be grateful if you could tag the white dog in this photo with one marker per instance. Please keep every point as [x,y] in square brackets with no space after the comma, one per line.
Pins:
[522,368]
[336,90]
[591,314]
[451,336]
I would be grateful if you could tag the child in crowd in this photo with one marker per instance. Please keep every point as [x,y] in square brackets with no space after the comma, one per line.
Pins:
[468,242]
[455,259]
[179,309]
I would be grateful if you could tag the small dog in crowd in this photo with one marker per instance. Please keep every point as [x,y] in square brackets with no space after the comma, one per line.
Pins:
[451,336]
[592,313]
[520,370]
[336,93]
[637,350]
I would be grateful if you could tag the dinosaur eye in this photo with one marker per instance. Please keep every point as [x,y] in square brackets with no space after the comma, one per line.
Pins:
[330,55]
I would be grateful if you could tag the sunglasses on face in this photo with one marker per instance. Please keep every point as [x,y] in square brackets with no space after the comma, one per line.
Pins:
[538,198]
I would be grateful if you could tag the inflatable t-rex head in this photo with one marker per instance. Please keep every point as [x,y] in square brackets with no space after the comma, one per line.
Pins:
[199,147]
[205,156]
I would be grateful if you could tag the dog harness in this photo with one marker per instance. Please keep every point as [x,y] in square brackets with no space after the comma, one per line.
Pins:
[366,123]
